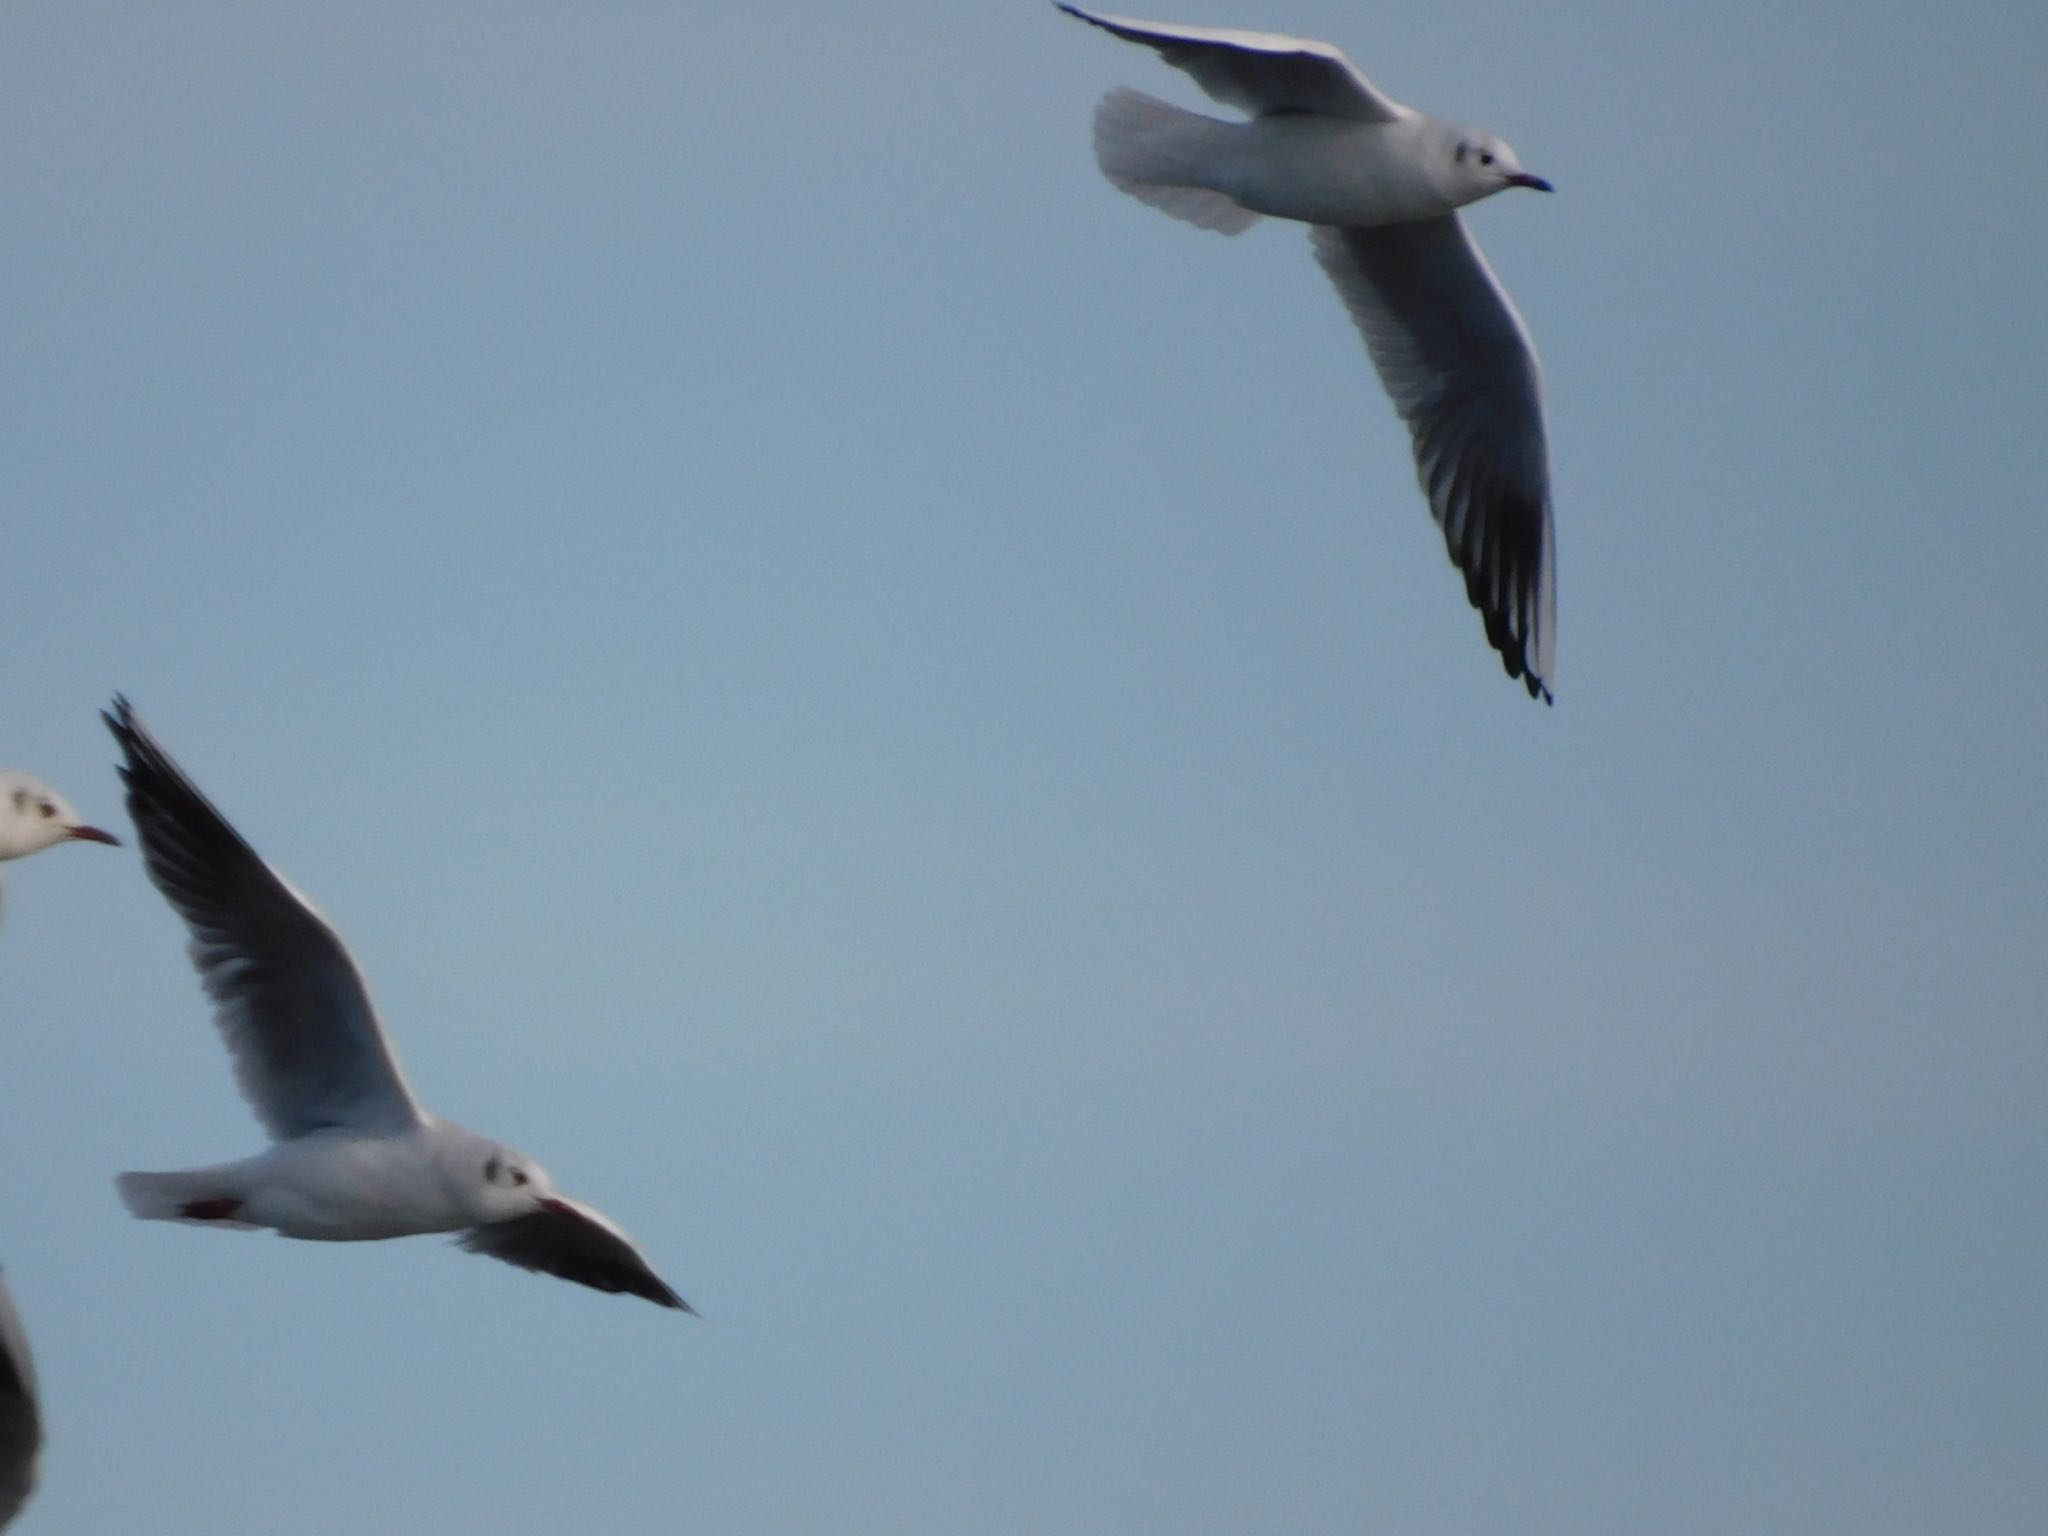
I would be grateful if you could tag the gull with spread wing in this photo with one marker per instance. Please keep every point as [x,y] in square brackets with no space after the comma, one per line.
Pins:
[354,1156]
[1381,183]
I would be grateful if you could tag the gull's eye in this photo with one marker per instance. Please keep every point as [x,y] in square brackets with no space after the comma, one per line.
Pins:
[1486,157]
[518,1176]
[45,810]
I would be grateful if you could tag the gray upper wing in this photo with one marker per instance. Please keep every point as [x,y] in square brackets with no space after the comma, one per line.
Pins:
[1455,357]
[571,1241]
[1260,72]
[21,1425]
[307,1046]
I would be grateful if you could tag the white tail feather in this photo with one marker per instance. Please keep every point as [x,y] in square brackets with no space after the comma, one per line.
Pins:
[1159,153]
[165,1196]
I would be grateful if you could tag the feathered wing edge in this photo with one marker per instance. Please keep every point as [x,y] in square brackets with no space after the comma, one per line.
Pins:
[1456,359]
[307,1046]
[567,1239]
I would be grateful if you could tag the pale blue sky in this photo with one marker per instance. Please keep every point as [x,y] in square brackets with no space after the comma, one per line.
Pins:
[895,717]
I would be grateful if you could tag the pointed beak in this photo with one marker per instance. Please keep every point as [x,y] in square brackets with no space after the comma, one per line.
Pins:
[93,835]
[1534,183]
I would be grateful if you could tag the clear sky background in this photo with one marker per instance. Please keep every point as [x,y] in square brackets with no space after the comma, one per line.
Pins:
[896,718]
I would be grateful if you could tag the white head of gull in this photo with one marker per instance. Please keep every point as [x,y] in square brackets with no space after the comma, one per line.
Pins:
[34,816]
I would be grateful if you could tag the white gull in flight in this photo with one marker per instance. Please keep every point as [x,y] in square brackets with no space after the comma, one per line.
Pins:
[1381,183]
[355,1157]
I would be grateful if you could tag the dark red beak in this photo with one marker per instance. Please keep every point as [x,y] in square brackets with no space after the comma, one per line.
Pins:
[1535,183]
[94,835]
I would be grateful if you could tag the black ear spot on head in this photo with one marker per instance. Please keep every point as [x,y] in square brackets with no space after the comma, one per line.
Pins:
[491,1170]
[21,799]
[1463,151]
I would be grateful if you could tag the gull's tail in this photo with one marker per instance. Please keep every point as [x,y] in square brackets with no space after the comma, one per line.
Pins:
[1159,154]
[198,1195]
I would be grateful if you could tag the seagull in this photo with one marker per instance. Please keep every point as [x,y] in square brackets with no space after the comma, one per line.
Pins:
[21,1425]
[1381,184]
[34,816]
[354,1157]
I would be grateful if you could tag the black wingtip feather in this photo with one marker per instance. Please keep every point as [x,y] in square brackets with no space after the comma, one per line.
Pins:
[135,742]
[150,773]
[1496,610]
[535,1242]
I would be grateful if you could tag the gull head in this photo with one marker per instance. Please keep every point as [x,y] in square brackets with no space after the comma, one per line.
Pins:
[512,1184]
[1483,164]
[34,816]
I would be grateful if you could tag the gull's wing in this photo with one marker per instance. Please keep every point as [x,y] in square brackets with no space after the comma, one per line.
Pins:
[1454,355]
[307,1047]
[570,1240]
[21,1425]
[1260,72]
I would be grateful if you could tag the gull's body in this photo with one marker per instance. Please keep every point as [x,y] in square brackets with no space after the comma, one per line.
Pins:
[355,1157]
[338,1184]
[1318,169]
[34,816]
[21,1421]
[1381,184]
